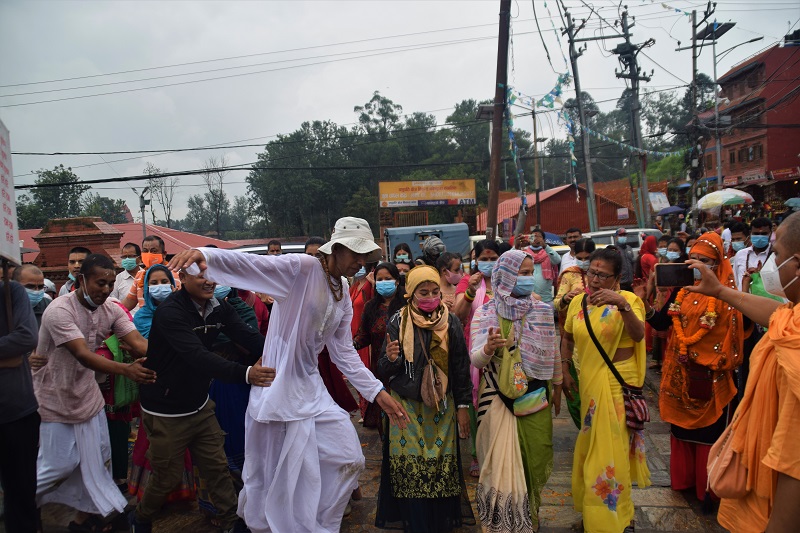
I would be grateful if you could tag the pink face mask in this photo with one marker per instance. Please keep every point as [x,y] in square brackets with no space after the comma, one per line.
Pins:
[428,305]
[452,277]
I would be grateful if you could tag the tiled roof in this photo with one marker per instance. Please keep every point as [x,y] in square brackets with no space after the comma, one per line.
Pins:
[174,240]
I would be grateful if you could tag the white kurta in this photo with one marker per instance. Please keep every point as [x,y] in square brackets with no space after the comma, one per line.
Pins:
[302,455]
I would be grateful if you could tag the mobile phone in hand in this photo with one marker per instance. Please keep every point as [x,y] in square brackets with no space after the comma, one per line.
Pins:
[674,275]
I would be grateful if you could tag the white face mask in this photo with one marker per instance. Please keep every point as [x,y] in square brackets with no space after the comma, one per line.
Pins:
[771,277]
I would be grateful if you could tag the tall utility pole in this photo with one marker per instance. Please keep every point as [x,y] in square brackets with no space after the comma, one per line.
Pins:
[143,206]
[696,169]
[497,119]
[537,180]
[570,31]
[628,53]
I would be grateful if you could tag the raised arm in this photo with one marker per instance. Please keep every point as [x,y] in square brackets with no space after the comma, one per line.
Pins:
[273,275]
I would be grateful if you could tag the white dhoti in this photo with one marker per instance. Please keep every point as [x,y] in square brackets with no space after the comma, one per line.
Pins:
[74,467]
[298,476]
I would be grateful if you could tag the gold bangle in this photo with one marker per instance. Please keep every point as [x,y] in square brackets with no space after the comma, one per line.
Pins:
[741,299]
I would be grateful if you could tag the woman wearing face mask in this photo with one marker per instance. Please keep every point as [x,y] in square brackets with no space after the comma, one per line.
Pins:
[661,248]
[515,452]
[402,259]
[372,332]
[424,330]
[571,283]
[764,426]
[160,284]
[609,456]
[471,293]
[647,258]
[450,274]
[657,301]
[704,348]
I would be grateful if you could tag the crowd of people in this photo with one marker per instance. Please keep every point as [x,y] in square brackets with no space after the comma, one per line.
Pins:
[234,372]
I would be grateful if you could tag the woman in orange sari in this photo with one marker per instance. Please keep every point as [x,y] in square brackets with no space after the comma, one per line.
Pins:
[765,423]
[697,384]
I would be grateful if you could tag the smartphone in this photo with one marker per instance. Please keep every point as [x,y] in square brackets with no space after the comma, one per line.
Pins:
[674,275]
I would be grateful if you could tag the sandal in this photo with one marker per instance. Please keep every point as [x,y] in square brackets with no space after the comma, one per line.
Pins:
[93,524]
[475,469]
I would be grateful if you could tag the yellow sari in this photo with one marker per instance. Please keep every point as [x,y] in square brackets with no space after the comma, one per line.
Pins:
[609,457]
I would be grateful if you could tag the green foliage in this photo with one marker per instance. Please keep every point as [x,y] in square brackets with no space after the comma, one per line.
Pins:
[110,210]
[61,199]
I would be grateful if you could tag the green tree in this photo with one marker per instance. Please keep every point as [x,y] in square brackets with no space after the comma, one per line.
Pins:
[111,211]
[57,195]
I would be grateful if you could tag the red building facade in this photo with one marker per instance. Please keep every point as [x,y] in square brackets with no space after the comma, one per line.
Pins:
[760,139]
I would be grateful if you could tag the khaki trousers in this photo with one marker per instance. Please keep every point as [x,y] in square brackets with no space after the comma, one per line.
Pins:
[169,438]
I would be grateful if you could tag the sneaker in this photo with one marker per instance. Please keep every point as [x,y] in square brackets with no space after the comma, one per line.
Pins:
[137,526]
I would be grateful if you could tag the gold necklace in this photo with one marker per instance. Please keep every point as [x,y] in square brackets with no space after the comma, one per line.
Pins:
[336,287]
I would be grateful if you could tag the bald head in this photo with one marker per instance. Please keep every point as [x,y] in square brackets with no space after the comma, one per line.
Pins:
[791,233]
[26,271]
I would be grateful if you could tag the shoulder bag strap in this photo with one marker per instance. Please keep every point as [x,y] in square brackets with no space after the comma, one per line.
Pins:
[422,343]
[597,343]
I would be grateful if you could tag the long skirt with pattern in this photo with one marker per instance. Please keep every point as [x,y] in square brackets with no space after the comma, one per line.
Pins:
[422,488]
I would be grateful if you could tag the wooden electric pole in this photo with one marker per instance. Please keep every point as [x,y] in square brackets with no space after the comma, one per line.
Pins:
[497,119]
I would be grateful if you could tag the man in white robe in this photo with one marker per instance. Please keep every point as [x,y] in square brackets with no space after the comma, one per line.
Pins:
[302,453]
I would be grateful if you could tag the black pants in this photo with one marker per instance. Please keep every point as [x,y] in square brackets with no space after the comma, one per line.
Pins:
[19,447]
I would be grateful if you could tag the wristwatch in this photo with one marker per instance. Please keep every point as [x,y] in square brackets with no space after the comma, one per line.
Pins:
[625,309]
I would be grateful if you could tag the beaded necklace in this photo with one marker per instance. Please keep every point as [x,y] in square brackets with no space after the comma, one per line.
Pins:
[336,287]
[707,321]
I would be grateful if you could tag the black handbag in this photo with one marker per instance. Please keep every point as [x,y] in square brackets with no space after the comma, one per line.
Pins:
[636,410]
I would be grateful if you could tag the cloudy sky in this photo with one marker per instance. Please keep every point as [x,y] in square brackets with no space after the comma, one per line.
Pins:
[186,74]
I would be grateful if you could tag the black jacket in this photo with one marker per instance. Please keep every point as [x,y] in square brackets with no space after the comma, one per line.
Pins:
[458,379]
[179,351]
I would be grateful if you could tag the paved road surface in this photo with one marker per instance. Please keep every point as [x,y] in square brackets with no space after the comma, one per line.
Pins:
[658,508]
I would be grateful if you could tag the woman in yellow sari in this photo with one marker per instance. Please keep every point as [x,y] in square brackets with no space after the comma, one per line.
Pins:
[609,457]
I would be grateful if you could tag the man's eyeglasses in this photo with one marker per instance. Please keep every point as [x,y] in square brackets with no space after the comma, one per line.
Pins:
[600,275]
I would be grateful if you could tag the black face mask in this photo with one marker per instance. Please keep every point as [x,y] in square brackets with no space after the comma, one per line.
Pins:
[402,278]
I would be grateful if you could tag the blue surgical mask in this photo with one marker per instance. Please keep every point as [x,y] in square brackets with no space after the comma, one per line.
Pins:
[536,248]
[86,296]
[361,272]
[688,250]
[737,245]
[524,286]
[485,268]
[386,287]
[698,274]
[673,256]
[662,252]
[759,241]
[583,265]
[129,263]
[71,277]
[160,292]
[622,239]
[221,291]
[35,296]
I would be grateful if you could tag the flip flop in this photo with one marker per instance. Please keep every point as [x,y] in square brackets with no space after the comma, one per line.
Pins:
[475,469]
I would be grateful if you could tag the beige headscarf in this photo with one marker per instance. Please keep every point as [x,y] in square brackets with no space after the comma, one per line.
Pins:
[437,322]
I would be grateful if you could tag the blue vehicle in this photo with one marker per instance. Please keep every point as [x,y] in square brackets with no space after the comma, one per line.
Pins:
[454,236]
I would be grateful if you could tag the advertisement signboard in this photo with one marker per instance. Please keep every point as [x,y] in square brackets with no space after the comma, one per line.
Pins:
[426,193]
[9,234]
[622,213]
[659,201]
[785,173]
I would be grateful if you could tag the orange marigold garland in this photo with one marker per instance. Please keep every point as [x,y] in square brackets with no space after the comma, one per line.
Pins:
[707,321]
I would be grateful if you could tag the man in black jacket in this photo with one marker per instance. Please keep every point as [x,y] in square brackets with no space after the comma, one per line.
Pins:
[177,412]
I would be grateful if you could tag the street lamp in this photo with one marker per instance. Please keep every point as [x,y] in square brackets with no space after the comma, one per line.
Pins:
[713,32]
[142,205]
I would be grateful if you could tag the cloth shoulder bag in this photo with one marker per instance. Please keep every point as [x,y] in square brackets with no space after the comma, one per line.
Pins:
[727,476]
[512,381]
[434,380]
[126,391]
[636,410]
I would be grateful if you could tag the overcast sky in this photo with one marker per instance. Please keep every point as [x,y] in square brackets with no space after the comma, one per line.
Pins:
[42,41]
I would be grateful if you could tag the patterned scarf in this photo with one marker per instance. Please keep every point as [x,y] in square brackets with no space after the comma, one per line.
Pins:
[438,321]
[532,319]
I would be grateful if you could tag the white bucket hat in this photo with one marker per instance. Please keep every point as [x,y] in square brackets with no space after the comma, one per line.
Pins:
[356,235]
